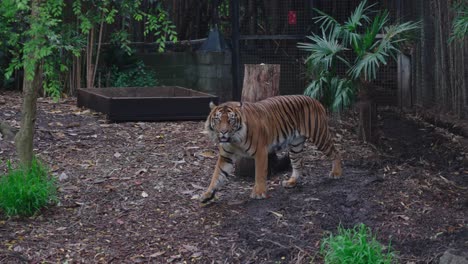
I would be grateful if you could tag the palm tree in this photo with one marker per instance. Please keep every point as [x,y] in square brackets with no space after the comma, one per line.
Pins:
[363,43]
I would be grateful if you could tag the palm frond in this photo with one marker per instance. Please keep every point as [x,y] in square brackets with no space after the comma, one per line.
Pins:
[323,50]
[360,13]
[371,32]
[400,31]
[344,93]
[367,65]
[326,21]
[460,22]
[358,18]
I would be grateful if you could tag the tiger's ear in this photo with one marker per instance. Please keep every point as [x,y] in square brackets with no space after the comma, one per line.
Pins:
[212,105]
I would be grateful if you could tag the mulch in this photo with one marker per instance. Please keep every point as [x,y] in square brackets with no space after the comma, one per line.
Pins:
[128,193]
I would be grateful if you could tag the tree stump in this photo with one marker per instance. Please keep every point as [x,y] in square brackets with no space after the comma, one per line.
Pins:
[260,82]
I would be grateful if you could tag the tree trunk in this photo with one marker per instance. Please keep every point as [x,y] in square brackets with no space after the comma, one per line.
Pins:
[367,128]
[24,137]
[31,84]
[260,82]
[89,59]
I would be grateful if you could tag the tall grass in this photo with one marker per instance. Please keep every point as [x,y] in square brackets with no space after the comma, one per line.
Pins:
[24,191]
[355,246]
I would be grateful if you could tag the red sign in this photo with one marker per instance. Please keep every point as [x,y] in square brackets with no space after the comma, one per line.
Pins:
[292,17]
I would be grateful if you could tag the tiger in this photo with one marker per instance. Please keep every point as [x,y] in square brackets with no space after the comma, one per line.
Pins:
[253,130]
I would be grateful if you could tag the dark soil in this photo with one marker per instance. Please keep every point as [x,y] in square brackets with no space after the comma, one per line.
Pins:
[128,193]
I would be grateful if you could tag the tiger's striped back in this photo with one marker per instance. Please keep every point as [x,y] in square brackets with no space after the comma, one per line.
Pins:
[282,118]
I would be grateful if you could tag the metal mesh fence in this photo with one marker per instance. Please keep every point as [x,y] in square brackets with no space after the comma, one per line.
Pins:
[438,66]
[270,31]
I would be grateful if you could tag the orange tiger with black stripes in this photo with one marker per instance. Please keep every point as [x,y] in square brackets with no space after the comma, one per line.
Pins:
[255,129]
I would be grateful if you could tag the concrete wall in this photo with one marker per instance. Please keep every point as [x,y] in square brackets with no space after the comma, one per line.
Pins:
[208,72]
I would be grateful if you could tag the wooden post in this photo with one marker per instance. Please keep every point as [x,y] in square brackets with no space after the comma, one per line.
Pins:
[260,82]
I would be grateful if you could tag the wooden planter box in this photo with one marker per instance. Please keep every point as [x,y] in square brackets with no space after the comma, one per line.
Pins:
[162,103]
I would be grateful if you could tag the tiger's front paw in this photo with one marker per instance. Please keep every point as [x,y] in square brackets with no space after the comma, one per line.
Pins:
[207,196]
[258,193]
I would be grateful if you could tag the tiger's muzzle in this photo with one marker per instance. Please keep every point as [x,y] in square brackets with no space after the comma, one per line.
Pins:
[224,137]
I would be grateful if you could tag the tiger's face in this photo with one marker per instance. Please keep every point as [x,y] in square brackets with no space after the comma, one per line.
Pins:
[224,123]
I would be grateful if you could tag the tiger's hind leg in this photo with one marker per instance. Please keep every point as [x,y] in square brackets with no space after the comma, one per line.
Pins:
[295,154]
[327,146]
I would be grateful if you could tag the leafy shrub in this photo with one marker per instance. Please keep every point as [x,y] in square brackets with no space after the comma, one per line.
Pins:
[24,191]
[139,76]
[354,246]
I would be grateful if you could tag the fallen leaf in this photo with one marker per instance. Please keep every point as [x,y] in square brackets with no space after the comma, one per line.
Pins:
[188,148]
[63,176]
[276,214]
[74,124]
[141,171]
[196,186]
[59,135]
[190,248]
[196,255]
[82,112]
[174,257]
[207,154]
[18,249]
[157,254]
[179,161]
[187,191]
[99,180]
[310,199]
[404,217]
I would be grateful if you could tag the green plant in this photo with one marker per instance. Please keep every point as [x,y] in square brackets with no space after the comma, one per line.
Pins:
[355,246]
[334,92]
[362,44]
[138,76]
[24,191]
[460,22]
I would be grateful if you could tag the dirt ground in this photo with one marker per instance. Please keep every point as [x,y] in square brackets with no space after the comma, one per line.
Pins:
[128,194]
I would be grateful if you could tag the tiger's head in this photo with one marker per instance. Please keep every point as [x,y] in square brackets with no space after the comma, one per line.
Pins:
[224,123]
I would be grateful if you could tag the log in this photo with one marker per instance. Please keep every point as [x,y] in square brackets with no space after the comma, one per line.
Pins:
[260,82]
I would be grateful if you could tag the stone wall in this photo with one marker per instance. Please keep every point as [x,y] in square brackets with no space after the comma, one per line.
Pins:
[208,72]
